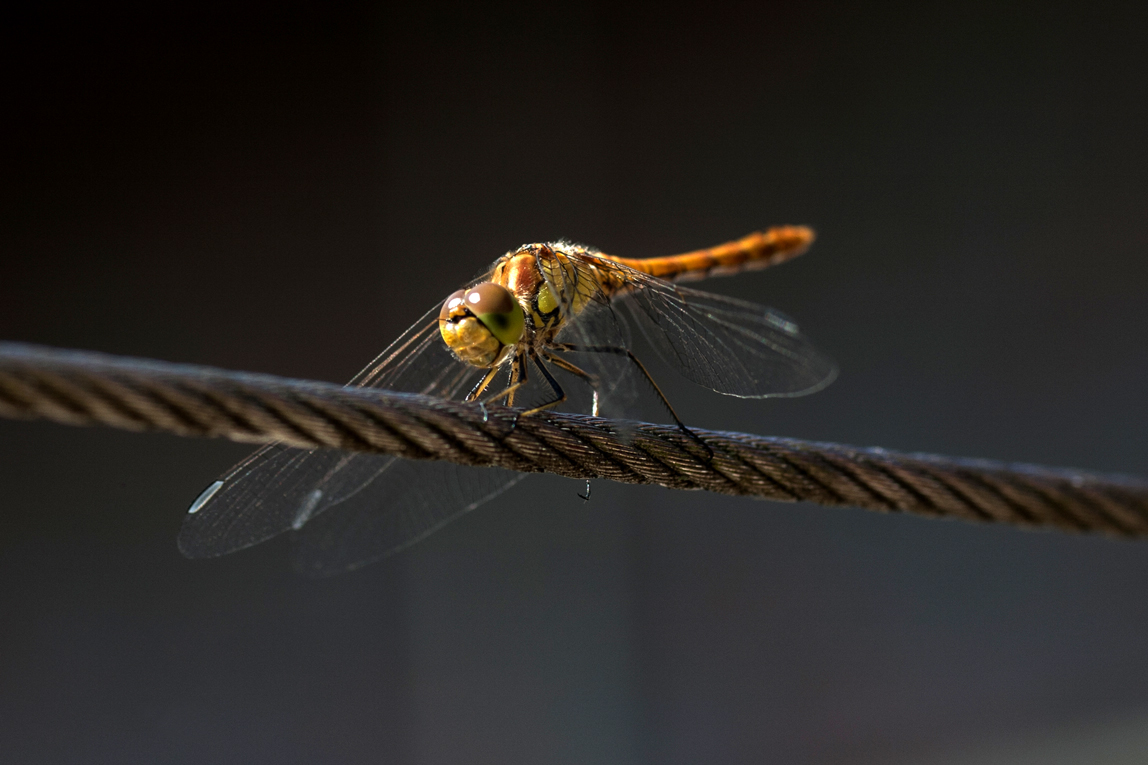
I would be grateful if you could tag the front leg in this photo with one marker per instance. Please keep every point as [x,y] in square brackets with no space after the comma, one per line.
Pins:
[518,378]
[478,389]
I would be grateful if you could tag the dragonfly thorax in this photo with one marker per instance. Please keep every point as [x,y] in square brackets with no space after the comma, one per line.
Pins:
[543,279]
[481,325]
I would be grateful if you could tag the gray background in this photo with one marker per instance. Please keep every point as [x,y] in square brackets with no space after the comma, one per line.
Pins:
[285,189]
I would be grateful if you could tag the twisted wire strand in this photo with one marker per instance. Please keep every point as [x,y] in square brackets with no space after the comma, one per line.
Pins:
[83,388]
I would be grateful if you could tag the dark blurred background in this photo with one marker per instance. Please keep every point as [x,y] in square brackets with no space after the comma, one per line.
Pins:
[284,188]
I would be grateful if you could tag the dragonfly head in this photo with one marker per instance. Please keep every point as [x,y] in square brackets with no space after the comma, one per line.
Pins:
[481,324]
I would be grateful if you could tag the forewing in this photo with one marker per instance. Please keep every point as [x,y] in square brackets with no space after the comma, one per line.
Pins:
[391,502]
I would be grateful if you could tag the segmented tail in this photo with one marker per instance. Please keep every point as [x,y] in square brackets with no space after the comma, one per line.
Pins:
[760,249]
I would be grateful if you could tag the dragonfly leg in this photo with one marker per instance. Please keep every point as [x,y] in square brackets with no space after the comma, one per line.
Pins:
[478,389]
[590,379]
[649,378]
[517,380]
[559,394]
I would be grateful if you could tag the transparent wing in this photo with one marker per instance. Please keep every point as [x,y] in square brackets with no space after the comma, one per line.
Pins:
[349,509]
[420,498]
[731,346]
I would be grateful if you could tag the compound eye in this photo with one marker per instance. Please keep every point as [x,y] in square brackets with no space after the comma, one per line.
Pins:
[497,309]
[452,302]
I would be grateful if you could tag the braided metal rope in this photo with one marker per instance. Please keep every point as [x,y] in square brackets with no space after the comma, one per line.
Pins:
[80,388]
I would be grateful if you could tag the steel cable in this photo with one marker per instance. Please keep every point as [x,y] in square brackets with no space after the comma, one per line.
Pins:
[82,388]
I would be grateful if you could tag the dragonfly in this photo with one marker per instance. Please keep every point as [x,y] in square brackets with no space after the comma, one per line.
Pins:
[547,325]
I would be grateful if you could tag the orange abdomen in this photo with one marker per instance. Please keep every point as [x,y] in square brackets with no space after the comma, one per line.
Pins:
[760,249]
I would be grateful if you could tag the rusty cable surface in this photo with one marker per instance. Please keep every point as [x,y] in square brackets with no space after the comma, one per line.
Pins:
[83,388]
